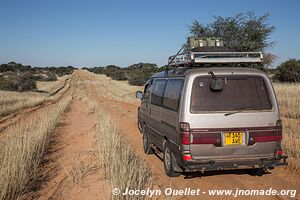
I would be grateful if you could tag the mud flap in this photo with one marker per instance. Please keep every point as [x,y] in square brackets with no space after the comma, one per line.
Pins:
[175,164]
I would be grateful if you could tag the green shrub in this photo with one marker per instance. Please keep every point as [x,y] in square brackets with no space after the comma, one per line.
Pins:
[118,75]
[17,82]
[96,70]
[50,77]
[139,73]
[61,71]
[289,71]
[137,80]
[111,69]
[14,67]
[138,77]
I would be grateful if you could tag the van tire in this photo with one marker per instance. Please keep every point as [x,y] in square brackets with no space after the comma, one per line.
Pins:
[146,142]
[169,160]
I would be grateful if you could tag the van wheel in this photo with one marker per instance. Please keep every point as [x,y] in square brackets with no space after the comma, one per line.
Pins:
[169,161]
[146,142]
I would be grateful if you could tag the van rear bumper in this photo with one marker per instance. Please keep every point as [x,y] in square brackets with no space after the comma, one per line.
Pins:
[229,164]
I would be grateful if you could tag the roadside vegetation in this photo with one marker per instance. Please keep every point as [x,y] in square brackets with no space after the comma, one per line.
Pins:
[121,166]
[11,101]
[288,71]
[51,87]
[17,77]
[136,74]
[288,95]
[22,146]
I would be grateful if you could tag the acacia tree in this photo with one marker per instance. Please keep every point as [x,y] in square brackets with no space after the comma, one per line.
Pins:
[289,71]
[241,32]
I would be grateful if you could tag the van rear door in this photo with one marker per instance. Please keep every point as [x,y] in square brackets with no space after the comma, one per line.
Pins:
[223,122]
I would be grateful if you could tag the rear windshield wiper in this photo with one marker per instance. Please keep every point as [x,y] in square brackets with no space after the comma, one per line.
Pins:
[237,111]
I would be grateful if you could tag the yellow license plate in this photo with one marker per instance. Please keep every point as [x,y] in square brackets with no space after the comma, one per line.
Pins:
[233,138]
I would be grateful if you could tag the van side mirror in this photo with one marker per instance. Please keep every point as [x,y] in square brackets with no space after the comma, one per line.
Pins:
[217,84]
[139,95]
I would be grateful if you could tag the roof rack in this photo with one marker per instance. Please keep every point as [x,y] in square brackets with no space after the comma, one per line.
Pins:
[202,58]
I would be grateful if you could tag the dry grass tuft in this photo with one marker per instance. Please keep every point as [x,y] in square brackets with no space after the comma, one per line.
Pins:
[22,146]
[81,168]
[122,167]
[291,137]
[12,101]
[288,96]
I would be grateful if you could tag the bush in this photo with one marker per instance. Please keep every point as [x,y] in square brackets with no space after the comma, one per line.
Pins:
[26,83]
[139,73]
[17,82]
[136,74]
[119,75]
[289,71]
[138,77]
[14,67]
[137,80]
[50,77]
[111,69]
[96,70]
[61,71]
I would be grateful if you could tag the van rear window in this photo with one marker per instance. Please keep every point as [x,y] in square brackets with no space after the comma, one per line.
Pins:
[239,92]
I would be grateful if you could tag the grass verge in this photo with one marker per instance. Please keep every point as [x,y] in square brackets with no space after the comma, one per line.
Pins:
[14,101]
[288,96]
[122,167]
[22,147]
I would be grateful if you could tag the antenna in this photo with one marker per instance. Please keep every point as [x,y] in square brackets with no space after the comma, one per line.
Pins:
[212,75]
[170,61]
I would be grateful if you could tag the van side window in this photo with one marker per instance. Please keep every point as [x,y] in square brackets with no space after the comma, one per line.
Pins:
[172,94]
[147,91]
[158,88]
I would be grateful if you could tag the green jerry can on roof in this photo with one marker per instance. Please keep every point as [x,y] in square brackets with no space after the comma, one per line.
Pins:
[203,42]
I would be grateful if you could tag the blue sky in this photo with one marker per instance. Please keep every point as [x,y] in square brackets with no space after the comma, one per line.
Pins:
[97,33]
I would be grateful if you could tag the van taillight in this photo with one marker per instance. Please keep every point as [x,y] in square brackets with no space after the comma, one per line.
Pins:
[279,152]
[185,138]
[207,138]
[187,157]
[184,129]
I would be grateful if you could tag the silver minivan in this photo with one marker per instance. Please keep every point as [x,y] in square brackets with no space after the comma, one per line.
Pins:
[213,118]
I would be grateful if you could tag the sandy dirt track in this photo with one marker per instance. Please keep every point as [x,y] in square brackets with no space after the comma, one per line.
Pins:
[74,151]
[73,145]
[70,169]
